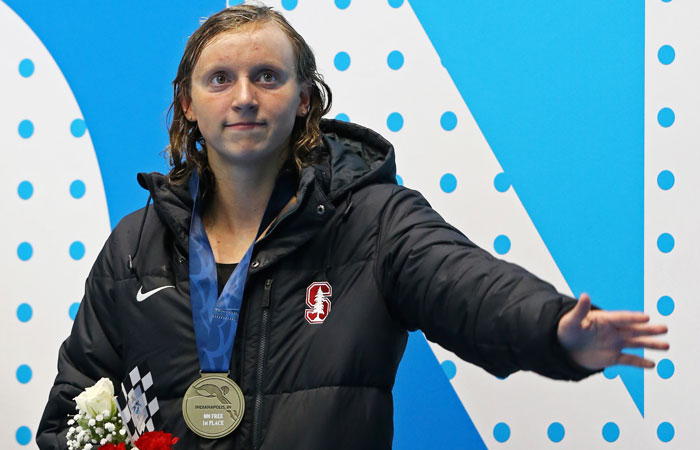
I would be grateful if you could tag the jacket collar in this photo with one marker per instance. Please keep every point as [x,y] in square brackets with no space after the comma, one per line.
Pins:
[356,157]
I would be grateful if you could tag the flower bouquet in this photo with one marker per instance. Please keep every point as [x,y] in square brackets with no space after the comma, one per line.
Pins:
[99,426]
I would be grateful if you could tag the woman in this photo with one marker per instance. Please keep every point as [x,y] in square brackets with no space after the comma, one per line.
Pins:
[273,281]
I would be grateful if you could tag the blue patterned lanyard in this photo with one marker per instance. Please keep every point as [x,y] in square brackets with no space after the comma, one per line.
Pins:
[216,316]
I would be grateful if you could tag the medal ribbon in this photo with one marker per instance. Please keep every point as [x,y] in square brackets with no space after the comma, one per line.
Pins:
[216,316]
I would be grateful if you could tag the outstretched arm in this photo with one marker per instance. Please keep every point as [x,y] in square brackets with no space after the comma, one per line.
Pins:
[595,338]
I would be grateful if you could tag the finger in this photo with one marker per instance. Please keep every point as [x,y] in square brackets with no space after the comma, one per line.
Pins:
[631,331]
[626,359]
[582,308]
[622,318]
[646,342]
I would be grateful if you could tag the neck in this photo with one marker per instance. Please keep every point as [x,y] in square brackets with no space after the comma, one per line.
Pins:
[240,197]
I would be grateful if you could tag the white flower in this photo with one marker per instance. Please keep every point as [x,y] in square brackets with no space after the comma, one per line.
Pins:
[87,447]
[110,427]
[122,431]
[92,422]
[71,422]
[97,398]
[99,418]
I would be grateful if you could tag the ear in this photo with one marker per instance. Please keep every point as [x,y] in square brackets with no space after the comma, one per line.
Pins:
[186,105]
[305,100]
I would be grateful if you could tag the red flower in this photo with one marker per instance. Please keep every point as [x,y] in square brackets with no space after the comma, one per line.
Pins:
[119,446]
[155,440]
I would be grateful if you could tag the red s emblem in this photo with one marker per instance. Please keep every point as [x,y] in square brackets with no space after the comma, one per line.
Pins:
[318,302]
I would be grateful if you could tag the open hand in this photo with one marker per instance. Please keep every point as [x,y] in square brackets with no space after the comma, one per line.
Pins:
[595,338]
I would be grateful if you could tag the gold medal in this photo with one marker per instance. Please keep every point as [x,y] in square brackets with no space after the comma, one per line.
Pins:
[213,405]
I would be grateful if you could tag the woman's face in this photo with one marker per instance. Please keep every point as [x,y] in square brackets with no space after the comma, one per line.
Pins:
[245,96]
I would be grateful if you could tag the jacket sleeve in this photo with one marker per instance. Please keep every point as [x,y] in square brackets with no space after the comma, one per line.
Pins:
[87,355]
[487,311]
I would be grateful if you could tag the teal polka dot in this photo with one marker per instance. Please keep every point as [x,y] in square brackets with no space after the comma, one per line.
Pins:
[25,190]
[342,116]
[25,251]
[665,243]
[501,432]
[501,182]
[665,369]
[449,368]
[610,372]
[665,305]
[73,310]
[665,432]
[555,432]
[399,180]
[77,189]
[395,121]
[666,54]
[77,250]
[501,244]
[448,183]
[611,432]
[395,60]
[448,121]
[24,312]
[341,61]
[342,4]
[26,129]
[24,374]
[395,3]
[665,180]
[289,4]
[78,127]
[666,1]
[26,67]
[23,435]
[666,117]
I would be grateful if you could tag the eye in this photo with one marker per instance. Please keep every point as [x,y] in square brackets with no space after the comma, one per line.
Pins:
[219,79]
[268,77]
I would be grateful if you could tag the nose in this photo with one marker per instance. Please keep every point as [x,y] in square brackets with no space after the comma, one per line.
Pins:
[244,96]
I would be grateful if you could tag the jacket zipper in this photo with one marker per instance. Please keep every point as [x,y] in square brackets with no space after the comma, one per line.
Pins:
[257,411]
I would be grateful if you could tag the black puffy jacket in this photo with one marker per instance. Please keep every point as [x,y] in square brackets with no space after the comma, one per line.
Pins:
[393,265]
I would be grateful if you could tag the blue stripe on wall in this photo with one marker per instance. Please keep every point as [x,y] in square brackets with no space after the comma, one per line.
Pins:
[557,89]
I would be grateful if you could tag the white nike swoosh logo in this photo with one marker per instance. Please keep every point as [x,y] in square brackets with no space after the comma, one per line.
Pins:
[141,296]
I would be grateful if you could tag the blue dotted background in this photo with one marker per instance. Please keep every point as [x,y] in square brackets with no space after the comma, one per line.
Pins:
[556,432]
[611,432]
[448,183]
[342,61]
[23,435]
[395,121]
[25,190]
[63,29]
[395,60]
[666,54]
[26,68]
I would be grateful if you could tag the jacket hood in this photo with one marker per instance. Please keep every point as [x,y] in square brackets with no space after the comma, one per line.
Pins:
[358,157]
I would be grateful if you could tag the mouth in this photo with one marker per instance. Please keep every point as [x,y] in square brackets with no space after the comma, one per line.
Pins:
[245,125]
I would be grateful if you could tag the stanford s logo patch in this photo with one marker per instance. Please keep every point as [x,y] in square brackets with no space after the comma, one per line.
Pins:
[318,302]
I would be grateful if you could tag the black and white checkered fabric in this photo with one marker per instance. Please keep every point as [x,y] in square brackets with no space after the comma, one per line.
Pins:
[137,404]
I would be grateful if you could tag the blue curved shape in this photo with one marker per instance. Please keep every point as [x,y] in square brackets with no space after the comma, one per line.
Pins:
[539,78]
[126,119]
